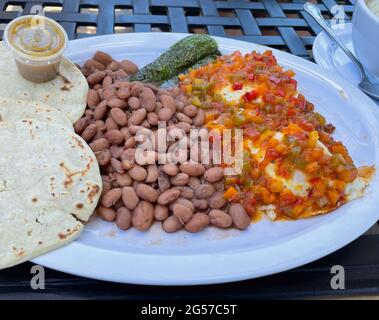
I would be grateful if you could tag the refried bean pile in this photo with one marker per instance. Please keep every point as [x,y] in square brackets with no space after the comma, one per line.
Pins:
[136,192]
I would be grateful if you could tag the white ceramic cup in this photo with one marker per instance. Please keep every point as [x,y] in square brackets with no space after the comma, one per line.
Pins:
[366,36]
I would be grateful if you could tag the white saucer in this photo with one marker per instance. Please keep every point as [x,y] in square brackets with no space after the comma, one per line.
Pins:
[329,56]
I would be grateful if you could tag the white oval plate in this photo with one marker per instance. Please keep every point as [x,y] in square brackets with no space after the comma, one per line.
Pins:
[216,256]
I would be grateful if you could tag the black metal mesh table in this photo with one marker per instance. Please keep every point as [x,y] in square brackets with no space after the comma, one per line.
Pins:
[281,24]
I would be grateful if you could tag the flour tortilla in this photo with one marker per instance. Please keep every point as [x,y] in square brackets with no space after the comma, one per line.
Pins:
[12,110]
[49,183]
[66,93]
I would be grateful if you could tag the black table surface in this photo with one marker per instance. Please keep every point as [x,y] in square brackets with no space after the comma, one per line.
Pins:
[281,24]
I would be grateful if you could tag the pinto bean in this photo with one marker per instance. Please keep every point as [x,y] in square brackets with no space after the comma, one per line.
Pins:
[82,124]
[241,219]
[186,127]
[179,105]
[198,222]
[199,119]
[200,204]
[89,113]
[185,191]
[134,129]
[182,212]
[130,143]
[109,93]
[143,216]
[89,132]
[181,179]
[214,174]
[134,103]
[193,181]
[220,218]
[168,102]
[148,99]
[114,136]
[124,180]
[117,103]
[171,224]
[124,218]
[99,145]
[204,191]
[168,196]
[217,200]
[107,82]
[119,74]
[146,192]
[128,154]
[100,110]
[219,186]
[92,98]
[152,118]
[137,117]
[107,214]
[116,151]
[119,116]
[104,157]
[103,58]
[100,124]
[183,118]
[190,111]
[160,212]
[184,202]
[163,180]
[165,114]
[192,169]
[128,66]
[123,93]
[93,64]
[136,89]
[111,124]
[129,197]
[152,173]
[138,173]
[127,164]
[96,77]
[116,165]
[170,169]
[126,133]
[111,197]
[114,65]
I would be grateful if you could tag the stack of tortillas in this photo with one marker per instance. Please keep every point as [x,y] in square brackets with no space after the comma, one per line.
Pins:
[49,178]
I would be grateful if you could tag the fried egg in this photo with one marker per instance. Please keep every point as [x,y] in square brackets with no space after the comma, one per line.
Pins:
[299,183]
[234,96]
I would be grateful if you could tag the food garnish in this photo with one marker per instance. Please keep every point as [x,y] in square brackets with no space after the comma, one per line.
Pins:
[179,57]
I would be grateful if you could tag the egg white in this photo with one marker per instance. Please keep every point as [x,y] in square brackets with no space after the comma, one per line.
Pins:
[299,184]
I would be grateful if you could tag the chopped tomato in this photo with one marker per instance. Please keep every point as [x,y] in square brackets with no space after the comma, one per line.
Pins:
[237,86]
[250,95]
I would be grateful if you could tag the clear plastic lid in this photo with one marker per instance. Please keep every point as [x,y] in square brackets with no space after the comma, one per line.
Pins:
[35,37]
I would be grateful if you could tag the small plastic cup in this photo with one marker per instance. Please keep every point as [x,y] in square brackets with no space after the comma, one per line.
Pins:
[37,44]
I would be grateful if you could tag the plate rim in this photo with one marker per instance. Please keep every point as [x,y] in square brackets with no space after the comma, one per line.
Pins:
[57,259]
[317,44]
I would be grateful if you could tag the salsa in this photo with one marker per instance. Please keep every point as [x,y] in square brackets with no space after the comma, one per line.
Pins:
[292,166]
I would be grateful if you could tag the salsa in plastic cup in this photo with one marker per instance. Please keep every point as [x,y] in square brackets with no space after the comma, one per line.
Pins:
[37,44]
